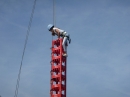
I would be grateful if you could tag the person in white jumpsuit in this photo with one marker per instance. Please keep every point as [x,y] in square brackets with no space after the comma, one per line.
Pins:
[60,33]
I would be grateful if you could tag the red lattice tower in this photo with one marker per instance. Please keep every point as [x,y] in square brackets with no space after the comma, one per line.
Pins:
[58,70]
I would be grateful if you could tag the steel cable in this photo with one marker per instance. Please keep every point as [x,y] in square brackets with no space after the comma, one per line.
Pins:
[27,35]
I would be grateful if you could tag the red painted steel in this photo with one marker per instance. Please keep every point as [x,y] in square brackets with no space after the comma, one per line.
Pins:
[58,70]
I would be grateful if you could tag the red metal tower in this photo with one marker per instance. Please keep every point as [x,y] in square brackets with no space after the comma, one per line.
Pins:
[58,70]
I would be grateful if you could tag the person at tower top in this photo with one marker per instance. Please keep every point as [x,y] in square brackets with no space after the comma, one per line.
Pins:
[60,33]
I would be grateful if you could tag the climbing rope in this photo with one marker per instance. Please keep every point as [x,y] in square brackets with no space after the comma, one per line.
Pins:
[54,17]
[27,35]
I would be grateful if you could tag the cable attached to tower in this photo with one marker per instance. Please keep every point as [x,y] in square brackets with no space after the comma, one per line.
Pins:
[27,35]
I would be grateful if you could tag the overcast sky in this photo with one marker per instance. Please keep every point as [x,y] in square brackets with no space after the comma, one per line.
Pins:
[98,58]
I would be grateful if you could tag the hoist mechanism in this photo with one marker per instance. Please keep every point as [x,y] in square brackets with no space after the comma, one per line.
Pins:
[58,69]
